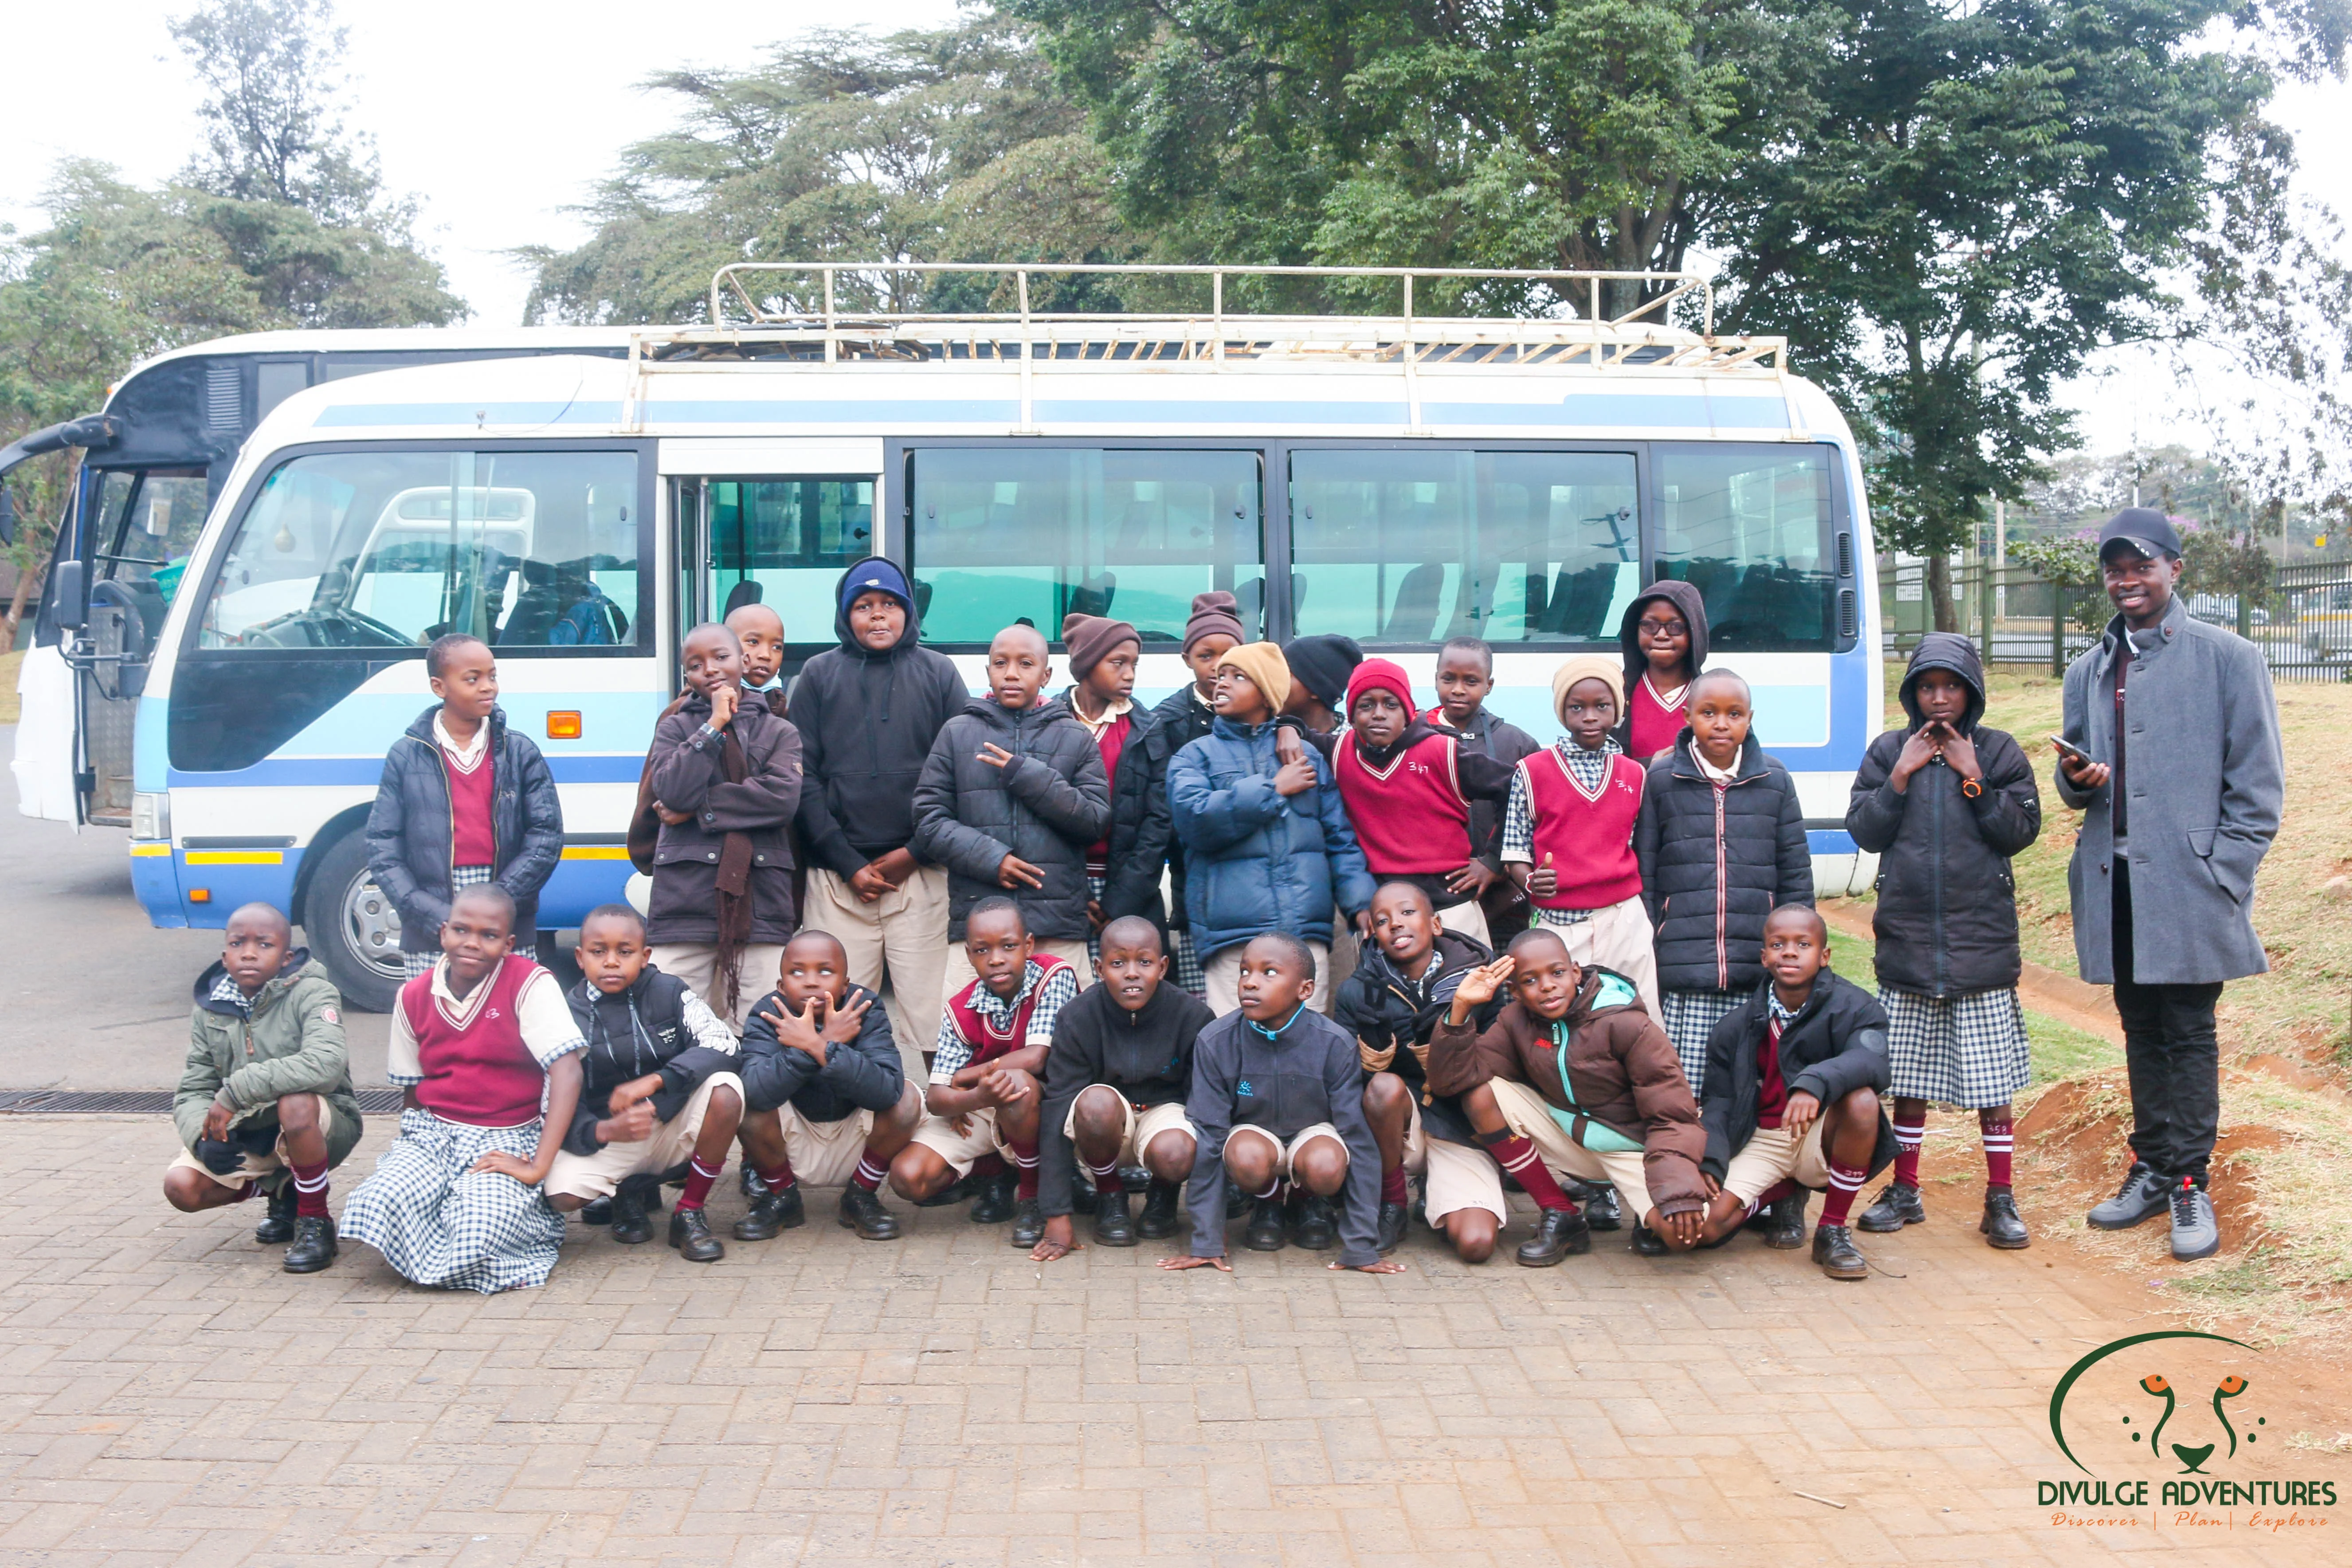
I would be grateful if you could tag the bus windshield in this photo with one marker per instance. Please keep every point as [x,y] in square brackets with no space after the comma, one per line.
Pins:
[391,549]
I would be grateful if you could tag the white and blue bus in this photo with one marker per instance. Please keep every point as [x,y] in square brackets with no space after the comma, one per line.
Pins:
[1399,480]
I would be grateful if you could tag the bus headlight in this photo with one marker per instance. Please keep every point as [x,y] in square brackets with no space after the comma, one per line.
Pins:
[150,817]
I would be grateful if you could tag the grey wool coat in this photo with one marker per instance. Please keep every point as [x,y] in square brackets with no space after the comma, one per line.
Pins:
[2207,781]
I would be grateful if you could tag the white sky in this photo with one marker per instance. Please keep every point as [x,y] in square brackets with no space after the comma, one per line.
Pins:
[500,114]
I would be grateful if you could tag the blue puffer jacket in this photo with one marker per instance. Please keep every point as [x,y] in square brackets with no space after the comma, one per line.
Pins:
[1255,861]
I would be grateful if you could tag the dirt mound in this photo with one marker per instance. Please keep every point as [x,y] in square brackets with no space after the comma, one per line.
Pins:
[2075,1138]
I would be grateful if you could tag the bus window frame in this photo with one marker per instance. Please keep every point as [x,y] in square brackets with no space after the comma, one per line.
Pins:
[649,595]
[897,491]
[1842,526]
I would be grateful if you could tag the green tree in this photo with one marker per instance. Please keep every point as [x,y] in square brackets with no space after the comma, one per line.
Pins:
[1560,134]
[1984,198]
[272,69]
[919,146]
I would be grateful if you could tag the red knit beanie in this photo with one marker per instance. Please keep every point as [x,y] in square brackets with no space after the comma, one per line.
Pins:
[1378,675]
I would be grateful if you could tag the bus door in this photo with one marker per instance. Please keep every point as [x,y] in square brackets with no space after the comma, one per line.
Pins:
[770,523]
[139,527]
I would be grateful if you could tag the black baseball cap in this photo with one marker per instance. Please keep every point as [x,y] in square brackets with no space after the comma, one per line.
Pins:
[2147,532]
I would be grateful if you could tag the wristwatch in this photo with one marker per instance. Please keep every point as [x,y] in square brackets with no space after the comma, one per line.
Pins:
[1971,787]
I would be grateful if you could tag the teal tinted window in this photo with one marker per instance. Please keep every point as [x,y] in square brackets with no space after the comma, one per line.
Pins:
[1001,535]
[1416,547]
[1750,528]
[794,537]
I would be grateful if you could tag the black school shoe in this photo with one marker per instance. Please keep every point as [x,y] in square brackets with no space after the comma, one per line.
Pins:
[1268,1230]
[1389,1232]
[2002,1226]
[955,1192]
[1835,1250]
[1560,1233]
[1114,1227]
[314,1244]
[595,1211]
[1162,1210]
[689,1232]
[1784,1222]
[1895,1208]
[1317,1228]
[1648,1243]
[277,1228]
[636,1197]
[1084,1199]
[1601,1210]
[862,1211]
[772,1212]
[1029,1224]
[997,1199]
[1237,1202]
[749,1181]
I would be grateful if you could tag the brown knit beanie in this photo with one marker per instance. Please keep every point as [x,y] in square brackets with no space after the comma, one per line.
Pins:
[1091,638]
[1214,613]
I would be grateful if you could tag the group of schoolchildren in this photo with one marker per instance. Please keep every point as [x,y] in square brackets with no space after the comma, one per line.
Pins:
[1404,942]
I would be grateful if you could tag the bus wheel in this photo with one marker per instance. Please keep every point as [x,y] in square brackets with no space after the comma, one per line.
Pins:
[352,927]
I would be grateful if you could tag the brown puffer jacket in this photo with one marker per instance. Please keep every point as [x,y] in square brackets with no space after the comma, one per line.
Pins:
[1621,1065]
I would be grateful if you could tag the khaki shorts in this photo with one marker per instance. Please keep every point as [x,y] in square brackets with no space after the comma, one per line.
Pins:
[696,963]
[1773,1156]
[600,1175]
[824,1153]
[1527,1114]
[1142,1126]
[1452,1176]
[1290,1151]
[961,1151]
[256,1167]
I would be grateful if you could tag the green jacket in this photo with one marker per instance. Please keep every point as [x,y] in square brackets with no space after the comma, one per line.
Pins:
[293,1044]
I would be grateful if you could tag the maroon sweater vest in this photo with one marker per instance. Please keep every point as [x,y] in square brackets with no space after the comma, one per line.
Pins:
[1410,818]
[987,1043]
[1589,837]
[478,1073]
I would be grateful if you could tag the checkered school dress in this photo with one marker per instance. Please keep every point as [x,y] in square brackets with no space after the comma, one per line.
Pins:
[438,1226]
[1184,964]
[417,964]
[1964,1051]
[1095,885]
[1691,1017]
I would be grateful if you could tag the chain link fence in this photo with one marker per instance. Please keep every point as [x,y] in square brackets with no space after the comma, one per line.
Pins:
[2015,616]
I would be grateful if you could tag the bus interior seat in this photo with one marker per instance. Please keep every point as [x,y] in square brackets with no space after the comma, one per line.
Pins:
[1580,600]
[1249,601]
[1413,618]
[1093,596]
[750,590]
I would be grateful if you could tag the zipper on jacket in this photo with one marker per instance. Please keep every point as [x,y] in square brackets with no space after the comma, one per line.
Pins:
[1935,877]
[1722,899]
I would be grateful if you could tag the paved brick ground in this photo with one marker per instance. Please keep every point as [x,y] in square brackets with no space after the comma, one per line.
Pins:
[168,1395]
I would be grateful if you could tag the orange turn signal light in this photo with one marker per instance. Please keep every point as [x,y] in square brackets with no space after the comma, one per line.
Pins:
[200,895]
[563,724]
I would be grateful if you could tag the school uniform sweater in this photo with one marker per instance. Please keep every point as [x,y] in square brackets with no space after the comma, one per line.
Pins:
[1585,834]
[1146,1055]
[1410,803]
[1505,742]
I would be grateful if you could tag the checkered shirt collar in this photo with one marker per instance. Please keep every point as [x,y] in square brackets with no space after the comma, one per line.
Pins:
[997,1010]
[1590,766]
[225,990]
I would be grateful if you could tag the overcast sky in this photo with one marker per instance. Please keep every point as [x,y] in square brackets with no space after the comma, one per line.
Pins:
[501,114]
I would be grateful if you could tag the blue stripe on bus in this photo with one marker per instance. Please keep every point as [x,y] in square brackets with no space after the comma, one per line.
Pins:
[584,411]
[1831,842]
[296,772]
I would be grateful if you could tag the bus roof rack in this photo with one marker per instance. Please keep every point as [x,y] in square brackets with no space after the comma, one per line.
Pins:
[796,310]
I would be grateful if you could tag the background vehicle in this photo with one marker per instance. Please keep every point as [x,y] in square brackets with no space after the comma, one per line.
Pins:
[1399,479]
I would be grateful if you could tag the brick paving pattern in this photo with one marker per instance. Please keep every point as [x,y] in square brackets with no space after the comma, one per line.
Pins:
[172,1398]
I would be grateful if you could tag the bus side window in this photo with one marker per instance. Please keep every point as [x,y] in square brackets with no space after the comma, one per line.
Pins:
[1751,529]
[785,542]
[1403,547]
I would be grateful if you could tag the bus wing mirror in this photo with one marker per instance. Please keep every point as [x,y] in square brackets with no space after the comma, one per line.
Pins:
[7,517]
[70,592]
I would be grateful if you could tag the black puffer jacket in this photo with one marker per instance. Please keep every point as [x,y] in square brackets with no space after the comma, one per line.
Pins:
[1045,806]
[1947,914]
[688,775]
[408,829]
[1835,1045]
[1683,597]
[866,723]
[1710,931]
[1140,825]
[864,1074]
[642,1029]
[1177,722]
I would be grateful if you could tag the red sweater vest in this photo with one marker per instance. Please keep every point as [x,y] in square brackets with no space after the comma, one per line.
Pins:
[988,1044]
[1411,819]
[473,838]
[1655,724]
[1588,839]
[477,1071]
[1110,743]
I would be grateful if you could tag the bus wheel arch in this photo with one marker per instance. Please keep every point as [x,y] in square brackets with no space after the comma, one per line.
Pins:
[348,923]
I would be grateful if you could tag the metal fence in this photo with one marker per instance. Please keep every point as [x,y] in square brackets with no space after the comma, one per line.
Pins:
[2016,617]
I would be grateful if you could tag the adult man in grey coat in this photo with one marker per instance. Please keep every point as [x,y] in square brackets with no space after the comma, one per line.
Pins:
[2180,788]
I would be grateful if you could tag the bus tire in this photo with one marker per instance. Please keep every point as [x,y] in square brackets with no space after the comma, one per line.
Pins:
[353,928]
